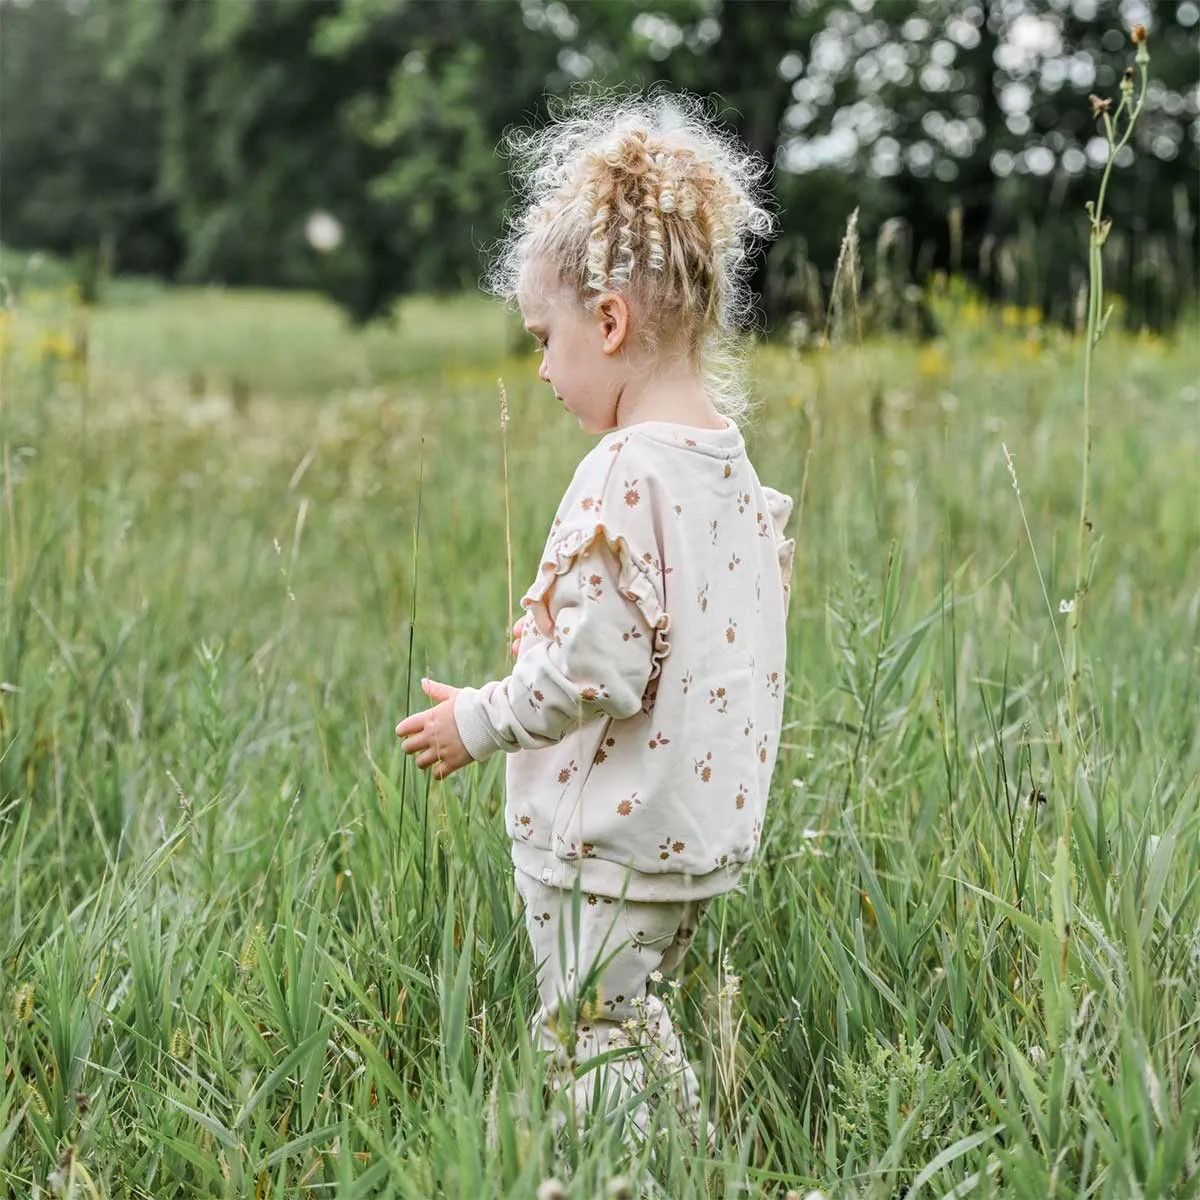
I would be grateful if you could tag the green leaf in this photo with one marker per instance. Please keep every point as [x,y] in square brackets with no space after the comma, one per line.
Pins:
[964,1145]
[269,1084]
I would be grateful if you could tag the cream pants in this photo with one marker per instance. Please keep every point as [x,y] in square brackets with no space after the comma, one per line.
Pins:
[595,965]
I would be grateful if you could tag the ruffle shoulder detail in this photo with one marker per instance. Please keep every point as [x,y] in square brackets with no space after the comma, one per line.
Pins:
[634,582]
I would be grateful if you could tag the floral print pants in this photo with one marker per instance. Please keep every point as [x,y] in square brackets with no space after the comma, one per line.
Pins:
[595,965]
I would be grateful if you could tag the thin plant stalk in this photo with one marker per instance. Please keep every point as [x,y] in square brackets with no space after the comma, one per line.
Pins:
[1098,230]
[412,628]
[507,514]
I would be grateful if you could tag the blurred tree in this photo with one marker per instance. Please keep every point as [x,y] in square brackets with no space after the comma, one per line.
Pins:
[961,130]
[80,147]
[257,139]
[979,108]
[450,78]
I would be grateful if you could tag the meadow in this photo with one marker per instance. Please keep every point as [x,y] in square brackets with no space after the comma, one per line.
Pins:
[245,950]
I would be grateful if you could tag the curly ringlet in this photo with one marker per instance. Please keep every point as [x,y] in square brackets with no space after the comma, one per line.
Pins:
[645,197]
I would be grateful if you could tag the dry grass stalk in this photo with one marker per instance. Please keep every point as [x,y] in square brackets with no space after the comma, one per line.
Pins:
[507,514]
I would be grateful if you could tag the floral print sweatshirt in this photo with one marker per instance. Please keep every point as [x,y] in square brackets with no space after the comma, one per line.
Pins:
[643,713]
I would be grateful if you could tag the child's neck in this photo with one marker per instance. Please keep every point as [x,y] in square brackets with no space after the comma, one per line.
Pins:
[677,396]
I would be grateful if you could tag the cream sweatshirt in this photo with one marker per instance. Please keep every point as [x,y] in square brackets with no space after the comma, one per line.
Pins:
[643,713]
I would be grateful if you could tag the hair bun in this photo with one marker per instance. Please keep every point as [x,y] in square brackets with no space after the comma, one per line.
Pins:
[647,197]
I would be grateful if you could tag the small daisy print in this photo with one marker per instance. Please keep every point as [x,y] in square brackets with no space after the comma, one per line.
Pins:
[670,846]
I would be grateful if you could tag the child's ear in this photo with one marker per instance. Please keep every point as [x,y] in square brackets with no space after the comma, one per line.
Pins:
[614,322]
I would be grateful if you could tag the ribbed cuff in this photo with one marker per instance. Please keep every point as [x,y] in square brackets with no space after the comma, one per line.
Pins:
[473,726]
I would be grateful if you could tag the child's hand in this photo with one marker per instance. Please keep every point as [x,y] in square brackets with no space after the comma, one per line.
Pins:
[518,634]
[432,735]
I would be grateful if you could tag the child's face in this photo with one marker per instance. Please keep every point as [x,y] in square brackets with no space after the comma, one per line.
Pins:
[580,357]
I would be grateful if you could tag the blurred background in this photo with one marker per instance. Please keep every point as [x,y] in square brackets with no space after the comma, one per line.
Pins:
[348,146]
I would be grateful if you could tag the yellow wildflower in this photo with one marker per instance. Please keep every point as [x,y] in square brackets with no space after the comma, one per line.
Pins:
[932,363]
[56,347]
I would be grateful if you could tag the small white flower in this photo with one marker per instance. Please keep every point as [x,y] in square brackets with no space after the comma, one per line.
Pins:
[798,784]
[1066,606]
[656,977]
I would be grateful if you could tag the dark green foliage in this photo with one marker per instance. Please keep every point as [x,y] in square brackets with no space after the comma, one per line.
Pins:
[196,139]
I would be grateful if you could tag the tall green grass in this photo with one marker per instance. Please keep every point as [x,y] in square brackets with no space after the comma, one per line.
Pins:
[244,950]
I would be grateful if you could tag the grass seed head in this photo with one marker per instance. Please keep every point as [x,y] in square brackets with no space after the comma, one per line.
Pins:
[248,958]
[503,406]
[22,1003]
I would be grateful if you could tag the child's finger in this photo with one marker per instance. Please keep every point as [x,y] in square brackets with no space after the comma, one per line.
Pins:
[437,691]
[414,744]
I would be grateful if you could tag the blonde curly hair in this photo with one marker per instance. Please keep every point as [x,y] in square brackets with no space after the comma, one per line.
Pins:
[644,197]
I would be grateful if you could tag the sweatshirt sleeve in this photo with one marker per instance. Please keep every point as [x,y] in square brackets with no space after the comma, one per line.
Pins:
[600,633]
[779,506]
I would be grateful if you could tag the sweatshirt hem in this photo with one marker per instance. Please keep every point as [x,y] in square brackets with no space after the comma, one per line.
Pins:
[606,878]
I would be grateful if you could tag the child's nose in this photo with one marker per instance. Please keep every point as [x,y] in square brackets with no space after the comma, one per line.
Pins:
[543,372]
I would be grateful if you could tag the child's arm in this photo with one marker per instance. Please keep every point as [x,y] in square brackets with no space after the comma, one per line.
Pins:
[595,655]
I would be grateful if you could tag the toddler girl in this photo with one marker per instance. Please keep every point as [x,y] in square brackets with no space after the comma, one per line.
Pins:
[643,712]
